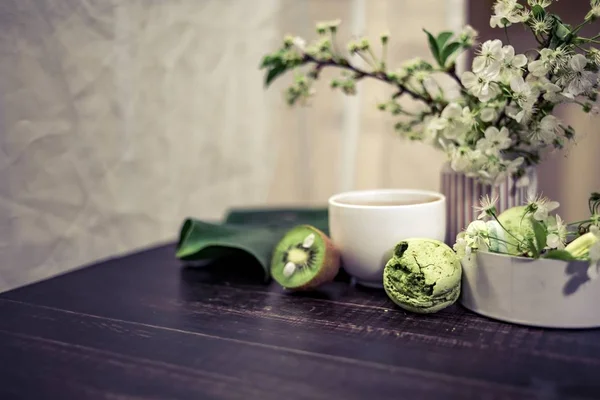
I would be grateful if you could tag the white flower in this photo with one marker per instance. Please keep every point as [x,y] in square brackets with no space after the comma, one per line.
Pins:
[461,247]
[465,159]
[557,233]
[452,112]
[452,119]
[487,206]
[594,56]
[477,235]
[492,172]
[543,65]
[488,114]
[553,242]
[578,81]
[432,128]
[525,15]
[437,124]
[538,67]
[497,170]
[489,59]
[511,167]
[540,206]
[299,43]
[542,3]
[494,141]
[546,130]
[459,160]
[511,64]
[468,36]
[550,124]
[541,25]
[522,92]
[553,92]
[560,58]
[506,13]
[469,118]
[521,114]
[595,11]
[477,228]
[480,85]
[525,97]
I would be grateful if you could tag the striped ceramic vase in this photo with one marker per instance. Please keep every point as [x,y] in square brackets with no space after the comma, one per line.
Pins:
[462,193]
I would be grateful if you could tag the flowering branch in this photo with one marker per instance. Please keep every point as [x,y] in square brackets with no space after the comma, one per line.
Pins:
[501,119]
[360,74]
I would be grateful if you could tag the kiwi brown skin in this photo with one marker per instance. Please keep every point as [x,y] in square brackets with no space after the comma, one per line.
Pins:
[329,267]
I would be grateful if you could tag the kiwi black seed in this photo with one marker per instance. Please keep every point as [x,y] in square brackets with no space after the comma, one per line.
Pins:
[304,259]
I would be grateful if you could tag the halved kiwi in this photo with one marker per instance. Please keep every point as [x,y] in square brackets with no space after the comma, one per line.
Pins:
[304,259]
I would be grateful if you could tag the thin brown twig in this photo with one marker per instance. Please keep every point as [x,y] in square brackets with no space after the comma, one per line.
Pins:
[362,74]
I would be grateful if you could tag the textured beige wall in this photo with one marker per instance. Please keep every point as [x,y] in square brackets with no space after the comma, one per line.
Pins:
[118,118]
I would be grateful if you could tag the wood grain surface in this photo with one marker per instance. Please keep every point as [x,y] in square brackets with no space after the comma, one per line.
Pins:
[144,327]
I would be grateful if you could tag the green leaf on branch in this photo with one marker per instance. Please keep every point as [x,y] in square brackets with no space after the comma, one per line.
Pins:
[433,46]
[561,34]
[449,52]
[562,31]
[274,72]
[443,38]
[540,233]
[267,61]
[559,255]
[538,12]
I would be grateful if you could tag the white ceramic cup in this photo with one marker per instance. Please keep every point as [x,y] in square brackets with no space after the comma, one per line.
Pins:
[366,225]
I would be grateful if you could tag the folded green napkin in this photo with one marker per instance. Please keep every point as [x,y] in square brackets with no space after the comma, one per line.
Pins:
[252,231]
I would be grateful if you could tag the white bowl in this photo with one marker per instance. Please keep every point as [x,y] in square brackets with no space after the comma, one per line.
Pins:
[544,293]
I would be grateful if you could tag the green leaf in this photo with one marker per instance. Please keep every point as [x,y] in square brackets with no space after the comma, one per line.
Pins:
[448,52]
[540,233]
[538,12]
[443,38]
[280,217]
[560,255]
[205,241]
[433,46]
[562,31]
[252,232]
[274,72]
[532,248]
[266,61]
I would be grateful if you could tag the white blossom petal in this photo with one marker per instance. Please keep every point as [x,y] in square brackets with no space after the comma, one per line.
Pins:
[468,79]
[520,60]
[488,114]
[578,62]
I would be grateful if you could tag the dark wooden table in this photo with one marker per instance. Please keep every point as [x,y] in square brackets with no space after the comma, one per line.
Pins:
[143,327]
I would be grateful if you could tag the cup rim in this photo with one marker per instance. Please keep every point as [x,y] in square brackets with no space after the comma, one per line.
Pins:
[334,200]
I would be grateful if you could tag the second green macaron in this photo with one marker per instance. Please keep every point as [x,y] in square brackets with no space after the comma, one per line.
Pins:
[423,275]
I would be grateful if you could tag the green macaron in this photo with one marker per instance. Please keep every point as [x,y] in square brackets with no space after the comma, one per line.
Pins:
[519,224]
[423,275]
